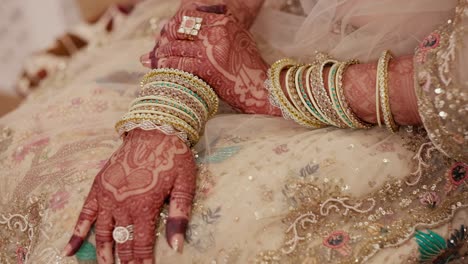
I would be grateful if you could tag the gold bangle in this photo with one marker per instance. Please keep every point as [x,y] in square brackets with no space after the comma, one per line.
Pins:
[193,104]
[377,103]
[167,129]
[382,77]
[197,90]
[176,88]
[297,95]
[187,79]
[320,93]
[291,83]
[163,101]
[165,108]
[312,102]
[357,122]
[332,91]
[278,97]
[160,119]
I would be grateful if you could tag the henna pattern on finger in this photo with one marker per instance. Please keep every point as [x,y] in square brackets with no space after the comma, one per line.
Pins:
[132,188]
[227,59]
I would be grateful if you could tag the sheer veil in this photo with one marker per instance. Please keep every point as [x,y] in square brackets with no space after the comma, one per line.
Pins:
[358,29]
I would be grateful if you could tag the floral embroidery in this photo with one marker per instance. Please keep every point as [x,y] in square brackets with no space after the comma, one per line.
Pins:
[19,229]
[456,175]
[338,240]
[429,199]
[283,148]
[23,151]
[308,170]
[430,42]
[59,200]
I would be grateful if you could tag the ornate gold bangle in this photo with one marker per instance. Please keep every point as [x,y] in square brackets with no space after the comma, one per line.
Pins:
[166,100]
[313,105]
[175,88]
[193,104]
[291,83]
[382,78]
[377,104]
[356,121]
[196,90]
[168,109]
[320,93]
[188,80]
[278,97]
[298,96]
[332,90]
[159,119]
[172,101]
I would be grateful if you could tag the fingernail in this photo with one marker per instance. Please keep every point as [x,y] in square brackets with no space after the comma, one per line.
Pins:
[145,60]
[65,251]
[175,244]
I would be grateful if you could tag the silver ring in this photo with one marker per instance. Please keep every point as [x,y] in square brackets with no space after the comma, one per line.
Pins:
[190,26]
[122,234]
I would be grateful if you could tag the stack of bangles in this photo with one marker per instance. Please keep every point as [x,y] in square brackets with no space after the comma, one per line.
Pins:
[314,101]
[172,101]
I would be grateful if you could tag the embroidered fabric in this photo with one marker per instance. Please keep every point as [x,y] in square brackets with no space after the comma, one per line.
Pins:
[442,87]
[268,190]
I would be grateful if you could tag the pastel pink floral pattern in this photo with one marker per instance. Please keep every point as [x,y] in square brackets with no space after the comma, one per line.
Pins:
[430,42]
[59,200]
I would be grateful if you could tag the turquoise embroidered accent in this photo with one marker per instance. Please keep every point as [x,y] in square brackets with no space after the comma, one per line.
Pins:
[221,154]
[87,252]
[430,244]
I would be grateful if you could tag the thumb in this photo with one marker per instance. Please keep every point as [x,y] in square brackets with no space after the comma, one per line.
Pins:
[180,207]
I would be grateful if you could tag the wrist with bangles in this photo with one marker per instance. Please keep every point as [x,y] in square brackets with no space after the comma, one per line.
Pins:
[314,99]
[172,101]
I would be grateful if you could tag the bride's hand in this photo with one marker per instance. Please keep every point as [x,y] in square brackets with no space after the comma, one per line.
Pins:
[130,191]
[223,54]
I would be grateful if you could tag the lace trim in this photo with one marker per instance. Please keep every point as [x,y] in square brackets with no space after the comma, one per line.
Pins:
[149,125]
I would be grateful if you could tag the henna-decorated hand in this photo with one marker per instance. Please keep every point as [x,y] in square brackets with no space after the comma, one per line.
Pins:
[223,54]
[130,190]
